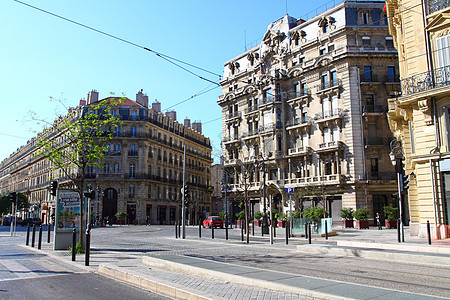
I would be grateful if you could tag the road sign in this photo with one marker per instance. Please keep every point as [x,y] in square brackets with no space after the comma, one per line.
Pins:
[289,190]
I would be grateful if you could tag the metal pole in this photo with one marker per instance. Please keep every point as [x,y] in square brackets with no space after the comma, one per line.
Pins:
[271,220]
[309,235]
[400,225]
[176,229]
[242,233]
[40,237]
[290,214]
[12,219]
[326,229]
[74,244]
[28,235]
[49,228]
[306,230]
[33,235]
[183,220]
[287,233]
[398,231]
[199,230]
[429,232]
[212,230]
[88,245]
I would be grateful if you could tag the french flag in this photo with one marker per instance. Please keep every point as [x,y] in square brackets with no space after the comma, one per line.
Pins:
[262,68]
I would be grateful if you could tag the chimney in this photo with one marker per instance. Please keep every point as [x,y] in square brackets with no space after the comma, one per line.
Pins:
[82,102]
[172,114]
[92,97]
[156,106]
[187,122]
[142,98]
[197,126]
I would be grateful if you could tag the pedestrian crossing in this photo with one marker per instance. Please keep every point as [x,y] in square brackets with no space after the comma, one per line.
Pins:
[17,269]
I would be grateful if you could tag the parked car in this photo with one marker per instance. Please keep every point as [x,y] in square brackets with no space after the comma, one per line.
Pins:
[7,220]
[213,221]
[32,221]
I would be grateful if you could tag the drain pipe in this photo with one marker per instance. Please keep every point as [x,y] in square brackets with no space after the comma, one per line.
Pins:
[436,148]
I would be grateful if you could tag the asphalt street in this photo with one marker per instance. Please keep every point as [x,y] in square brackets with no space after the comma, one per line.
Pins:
[27,274]
[413,277]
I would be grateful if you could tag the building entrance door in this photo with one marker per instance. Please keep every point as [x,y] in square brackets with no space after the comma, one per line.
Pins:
[109,204]
[131,213]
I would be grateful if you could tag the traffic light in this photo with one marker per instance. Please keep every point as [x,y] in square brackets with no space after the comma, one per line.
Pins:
[12,197]
[90,194]
[186,191]
[405,182]
[54,188]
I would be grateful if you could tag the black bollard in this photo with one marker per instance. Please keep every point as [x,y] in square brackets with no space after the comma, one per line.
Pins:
[226,229]
[74,244]
[274,229]
[88,246]
[49,228]
[179,230]
[429,232]
[212,231]
[28,235]
[287,233]
[40,237]
[242,233]
[253,228]
[176,229]
[309,234]
[398,231]
[306,230]
[326,230]
[33,235]
[199,230]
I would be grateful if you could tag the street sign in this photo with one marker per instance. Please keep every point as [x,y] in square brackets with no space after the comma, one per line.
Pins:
[289,190]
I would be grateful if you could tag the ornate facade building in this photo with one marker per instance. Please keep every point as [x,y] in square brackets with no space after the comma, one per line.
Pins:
[419,116]
[141,173]
[306,108]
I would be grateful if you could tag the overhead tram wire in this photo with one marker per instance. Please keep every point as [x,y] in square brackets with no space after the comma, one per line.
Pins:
[159,54]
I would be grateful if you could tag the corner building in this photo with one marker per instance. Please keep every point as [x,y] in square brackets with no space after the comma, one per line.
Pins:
[306,108]
[141,174]
[420,116]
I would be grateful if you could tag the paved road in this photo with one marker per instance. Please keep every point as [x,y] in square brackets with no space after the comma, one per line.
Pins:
[157,240]
[27,274]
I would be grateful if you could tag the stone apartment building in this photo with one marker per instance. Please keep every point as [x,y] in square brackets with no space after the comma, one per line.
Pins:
[419,116]
[141,174]
[306,108]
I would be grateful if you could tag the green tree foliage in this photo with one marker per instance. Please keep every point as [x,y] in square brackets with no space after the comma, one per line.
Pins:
[361,214]
[79,140]
[5,203]
[314,213]
[347,213]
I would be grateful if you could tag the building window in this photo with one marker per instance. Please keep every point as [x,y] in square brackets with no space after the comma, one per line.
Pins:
[365,18]
[134,115]
[268,95]
[374,166]
[149,191]
[133,131]
[389,42]
[116,131]
[324,80]
[117,147]
[132,170]
[106,168]
[333,77]
[391,74]
[301,59]
[331,47]
[116,168]
[131,191]
[443,51]
[322,50]
[367,73]
[366,41]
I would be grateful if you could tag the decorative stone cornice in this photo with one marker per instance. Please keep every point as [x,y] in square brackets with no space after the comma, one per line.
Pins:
[423,105]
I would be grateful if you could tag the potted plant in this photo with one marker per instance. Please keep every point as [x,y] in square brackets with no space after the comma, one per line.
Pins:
[281,219]
[361,218]
[120,216]
[347,216]
[257,218]
[391,216]
[240,216]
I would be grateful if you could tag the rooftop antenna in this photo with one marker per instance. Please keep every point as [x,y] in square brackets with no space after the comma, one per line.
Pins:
[286,7]
[245,40]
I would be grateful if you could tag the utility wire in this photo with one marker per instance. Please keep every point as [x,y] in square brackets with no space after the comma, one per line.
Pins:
[193,96]
[161,55]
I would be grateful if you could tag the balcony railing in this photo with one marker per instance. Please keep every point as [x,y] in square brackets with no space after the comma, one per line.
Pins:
[297,94]
[251,109]
[374,141]
[381,176]
[233,115]
[337,112]
[299,121]
[433,6]
[250,133]
[426,81]
[230,138]
[329,84]
[374,109]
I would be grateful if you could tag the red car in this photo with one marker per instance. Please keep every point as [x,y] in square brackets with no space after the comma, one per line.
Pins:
[213,221]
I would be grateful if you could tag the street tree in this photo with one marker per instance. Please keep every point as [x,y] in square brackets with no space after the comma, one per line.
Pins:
[78,141]
[5,203]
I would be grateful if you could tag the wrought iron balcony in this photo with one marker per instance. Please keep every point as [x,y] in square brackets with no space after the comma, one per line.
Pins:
[299,121]
[374,141]
[337,112]
[433,6]
[233,115]
[329,84]
[251,109]
[374,109]
[426,81]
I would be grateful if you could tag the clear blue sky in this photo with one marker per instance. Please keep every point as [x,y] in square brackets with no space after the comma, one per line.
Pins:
[43,56]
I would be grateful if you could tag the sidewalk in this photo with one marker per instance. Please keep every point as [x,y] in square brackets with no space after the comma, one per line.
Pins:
[187,277]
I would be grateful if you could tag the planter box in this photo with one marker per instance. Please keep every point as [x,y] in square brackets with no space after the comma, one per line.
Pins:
[282,224]
[362,224]
[390,224]
[257,222]
[347,223]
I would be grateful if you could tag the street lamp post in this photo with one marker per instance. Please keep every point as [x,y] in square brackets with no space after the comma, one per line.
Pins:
[396,156]
[264,225]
